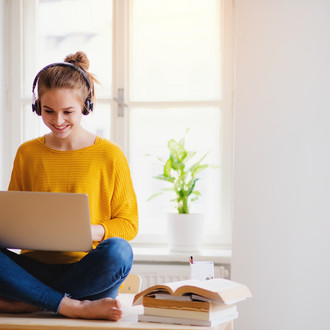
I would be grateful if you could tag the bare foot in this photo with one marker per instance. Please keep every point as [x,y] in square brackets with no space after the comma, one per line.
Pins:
[102,309]
[14,306]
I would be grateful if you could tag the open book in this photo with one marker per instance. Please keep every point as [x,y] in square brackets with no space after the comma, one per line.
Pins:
[218,289]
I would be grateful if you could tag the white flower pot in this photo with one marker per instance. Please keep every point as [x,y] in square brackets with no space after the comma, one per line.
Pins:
[184,232]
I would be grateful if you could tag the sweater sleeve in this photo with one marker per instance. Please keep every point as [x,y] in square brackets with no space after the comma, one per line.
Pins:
[15,180]
[124,210]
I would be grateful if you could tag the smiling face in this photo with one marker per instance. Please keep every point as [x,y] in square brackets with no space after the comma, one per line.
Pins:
[61,111]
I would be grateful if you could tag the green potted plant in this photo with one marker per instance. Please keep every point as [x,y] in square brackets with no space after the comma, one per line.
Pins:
[181,172]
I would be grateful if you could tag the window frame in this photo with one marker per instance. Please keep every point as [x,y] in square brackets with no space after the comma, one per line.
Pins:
[19,59]
[222,241]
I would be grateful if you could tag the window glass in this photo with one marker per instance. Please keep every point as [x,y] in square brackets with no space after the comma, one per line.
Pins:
[175,50]
[174,85]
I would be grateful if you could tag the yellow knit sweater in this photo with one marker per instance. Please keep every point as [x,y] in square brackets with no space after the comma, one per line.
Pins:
[100,171]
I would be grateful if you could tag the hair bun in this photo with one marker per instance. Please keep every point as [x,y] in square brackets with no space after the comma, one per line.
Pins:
[79,59]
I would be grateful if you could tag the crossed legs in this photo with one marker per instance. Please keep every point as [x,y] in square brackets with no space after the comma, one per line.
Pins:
[86,289]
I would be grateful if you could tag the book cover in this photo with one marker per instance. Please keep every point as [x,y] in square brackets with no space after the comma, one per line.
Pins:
[217,289]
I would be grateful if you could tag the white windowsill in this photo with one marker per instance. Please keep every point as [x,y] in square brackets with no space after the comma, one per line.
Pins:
[164,255]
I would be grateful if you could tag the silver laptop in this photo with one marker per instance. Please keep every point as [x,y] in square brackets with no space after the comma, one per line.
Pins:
[45,221]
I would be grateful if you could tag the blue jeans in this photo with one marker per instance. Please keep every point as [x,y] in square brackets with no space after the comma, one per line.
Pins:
[98,275]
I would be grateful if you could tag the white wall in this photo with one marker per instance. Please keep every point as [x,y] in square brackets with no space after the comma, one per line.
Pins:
[2,86]
[282,164]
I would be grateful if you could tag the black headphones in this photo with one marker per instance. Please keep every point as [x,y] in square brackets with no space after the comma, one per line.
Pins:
[88,106]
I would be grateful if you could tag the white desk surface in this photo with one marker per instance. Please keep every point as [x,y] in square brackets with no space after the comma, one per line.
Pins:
[45,321]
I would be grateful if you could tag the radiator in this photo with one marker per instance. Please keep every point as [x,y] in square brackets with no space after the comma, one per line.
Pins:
[161,273]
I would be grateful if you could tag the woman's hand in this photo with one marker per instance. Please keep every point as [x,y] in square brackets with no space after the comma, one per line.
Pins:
[97,233]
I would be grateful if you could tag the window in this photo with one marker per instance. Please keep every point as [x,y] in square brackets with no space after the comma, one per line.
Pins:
[164,67]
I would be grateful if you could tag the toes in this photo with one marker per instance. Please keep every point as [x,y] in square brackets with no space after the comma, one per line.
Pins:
[115,314]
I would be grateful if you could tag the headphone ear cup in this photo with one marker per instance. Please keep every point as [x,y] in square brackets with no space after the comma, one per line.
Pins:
[88,107]
[36,107]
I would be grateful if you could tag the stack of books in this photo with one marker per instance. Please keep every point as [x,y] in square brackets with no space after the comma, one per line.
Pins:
[192,302]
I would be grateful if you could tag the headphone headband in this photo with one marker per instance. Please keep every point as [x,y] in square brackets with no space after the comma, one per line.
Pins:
[88,101]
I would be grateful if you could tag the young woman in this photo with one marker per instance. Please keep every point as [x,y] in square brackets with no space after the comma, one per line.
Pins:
[71,159]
